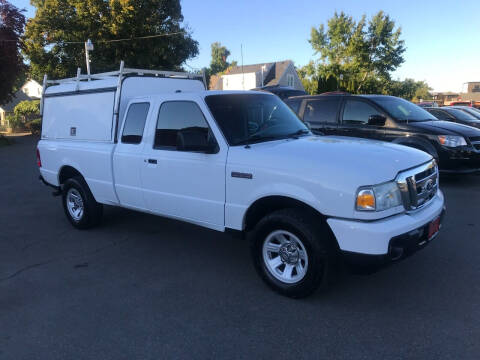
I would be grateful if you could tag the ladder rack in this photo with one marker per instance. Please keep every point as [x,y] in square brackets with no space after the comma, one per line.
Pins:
[121,73]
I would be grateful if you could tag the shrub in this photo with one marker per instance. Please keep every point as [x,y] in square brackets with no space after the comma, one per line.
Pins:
[34,126]
[28,109]
[15,122]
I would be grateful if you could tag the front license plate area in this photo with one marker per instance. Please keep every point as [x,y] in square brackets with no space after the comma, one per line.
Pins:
[433,228]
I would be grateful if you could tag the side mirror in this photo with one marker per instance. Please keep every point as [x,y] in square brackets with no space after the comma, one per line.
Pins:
[308,125]
[377,120]
[195,139]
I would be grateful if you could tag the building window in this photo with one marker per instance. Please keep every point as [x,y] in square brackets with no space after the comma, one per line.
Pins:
[290,80]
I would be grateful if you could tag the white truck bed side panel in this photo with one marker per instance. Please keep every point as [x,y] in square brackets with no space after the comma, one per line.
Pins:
[92,160]
[91,116]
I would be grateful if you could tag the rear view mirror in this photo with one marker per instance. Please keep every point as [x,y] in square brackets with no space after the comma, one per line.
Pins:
[195,139]
[378,120]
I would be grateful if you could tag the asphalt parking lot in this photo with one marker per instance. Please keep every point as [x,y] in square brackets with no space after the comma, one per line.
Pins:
[143,287]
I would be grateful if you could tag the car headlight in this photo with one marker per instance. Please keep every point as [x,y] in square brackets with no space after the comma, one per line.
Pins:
[451,140]
[379,197]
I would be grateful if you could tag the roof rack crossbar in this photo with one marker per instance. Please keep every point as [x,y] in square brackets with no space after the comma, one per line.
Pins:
[128,71]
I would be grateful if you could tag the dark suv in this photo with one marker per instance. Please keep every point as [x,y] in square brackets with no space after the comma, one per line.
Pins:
[456,147]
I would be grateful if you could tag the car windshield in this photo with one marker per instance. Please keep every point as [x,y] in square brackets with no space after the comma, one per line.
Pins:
[471,111]
[403,110]
[460,114]
[249,118]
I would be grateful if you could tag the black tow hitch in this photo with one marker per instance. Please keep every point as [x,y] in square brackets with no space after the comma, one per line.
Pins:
[58,189]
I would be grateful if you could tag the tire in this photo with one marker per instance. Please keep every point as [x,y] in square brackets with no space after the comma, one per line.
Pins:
[79,205]
[271,243]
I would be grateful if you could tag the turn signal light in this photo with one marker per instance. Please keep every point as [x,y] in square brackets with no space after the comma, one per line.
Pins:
[366,200]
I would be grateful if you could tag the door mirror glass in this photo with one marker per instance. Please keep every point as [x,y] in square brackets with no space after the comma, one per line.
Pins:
[377,120]
[195,139]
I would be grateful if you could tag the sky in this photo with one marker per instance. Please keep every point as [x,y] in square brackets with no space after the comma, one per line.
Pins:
[442,37]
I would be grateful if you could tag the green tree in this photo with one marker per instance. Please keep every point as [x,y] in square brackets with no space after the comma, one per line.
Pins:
[54,38]
[365,53]
[12,22]
[423,91]
[219,61]
[27,109]
[408,89]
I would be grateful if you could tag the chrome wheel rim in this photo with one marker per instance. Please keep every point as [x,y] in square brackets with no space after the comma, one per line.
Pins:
[74,204]
[285,256]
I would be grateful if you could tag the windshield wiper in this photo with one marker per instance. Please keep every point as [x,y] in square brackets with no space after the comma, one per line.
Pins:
[255,138]
[297,133]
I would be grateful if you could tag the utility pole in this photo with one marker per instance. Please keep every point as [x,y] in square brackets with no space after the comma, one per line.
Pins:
[88,47]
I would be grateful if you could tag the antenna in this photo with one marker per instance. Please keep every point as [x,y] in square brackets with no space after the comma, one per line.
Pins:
[243,75]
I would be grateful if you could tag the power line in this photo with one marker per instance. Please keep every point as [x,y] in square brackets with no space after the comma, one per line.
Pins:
[110,41]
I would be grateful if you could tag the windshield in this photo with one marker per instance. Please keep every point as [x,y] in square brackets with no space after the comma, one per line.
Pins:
[462,115]
[471,111]
[403,110]
[248,118]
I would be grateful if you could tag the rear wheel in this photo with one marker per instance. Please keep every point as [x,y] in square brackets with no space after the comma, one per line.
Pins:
[79,204]
[292,252]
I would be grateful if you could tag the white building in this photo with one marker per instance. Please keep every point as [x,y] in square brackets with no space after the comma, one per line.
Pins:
[31,90]
[249,77]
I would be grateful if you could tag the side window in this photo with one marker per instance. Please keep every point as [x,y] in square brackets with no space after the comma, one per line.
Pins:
[177,116]
[294,105]
[322,110]
[357,112]
[441,115]
[135,123]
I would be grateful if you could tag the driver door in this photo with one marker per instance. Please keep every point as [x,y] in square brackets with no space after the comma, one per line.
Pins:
[184,184]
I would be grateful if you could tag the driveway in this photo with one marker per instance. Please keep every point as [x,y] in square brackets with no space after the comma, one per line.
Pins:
[143,287]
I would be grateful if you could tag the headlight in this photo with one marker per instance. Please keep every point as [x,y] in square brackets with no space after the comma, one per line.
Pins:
[451,140]
[379,197]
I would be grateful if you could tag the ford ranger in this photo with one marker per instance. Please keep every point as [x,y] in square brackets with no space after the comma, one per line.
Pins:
[243,161]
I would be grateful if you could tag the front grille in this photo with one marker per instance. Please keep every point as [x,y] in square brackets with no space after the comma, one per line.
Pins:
[419,185]
[475,141]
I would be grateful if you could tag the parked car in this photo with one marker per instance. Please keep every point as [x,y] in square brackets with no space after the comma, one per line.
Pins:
[469,109]
[460,103]
[235,161]
[456,114]
[283,92]
[428,104]
[455,147]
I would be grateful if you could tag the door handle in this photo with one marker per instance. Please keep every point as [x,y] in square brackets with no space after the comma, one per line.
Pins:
[152,161]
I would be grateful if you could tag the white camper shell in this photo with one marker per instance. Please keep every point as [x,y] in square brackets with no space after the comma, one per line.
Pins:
[88,108]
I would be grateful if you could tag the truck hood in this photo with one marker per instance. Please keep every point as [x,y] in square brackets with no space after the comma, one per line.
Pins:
[324,172]
[336,159]
[439,127]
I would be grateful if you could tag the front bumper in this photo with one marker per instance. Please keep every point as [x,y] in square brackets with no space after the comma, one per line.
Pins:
[464,160]
[384,238]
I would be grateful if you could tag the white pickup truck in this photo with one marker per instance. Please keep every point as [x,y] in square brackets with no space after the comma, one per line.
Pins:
[157,142]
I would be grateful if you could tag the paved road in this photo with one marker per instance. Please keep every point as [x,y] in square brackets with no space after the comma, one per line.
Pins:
[143,287]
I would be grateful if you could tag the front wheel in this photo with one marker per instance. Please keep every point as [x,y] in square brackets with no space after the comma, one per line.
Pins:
[79,204]
[292,252]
